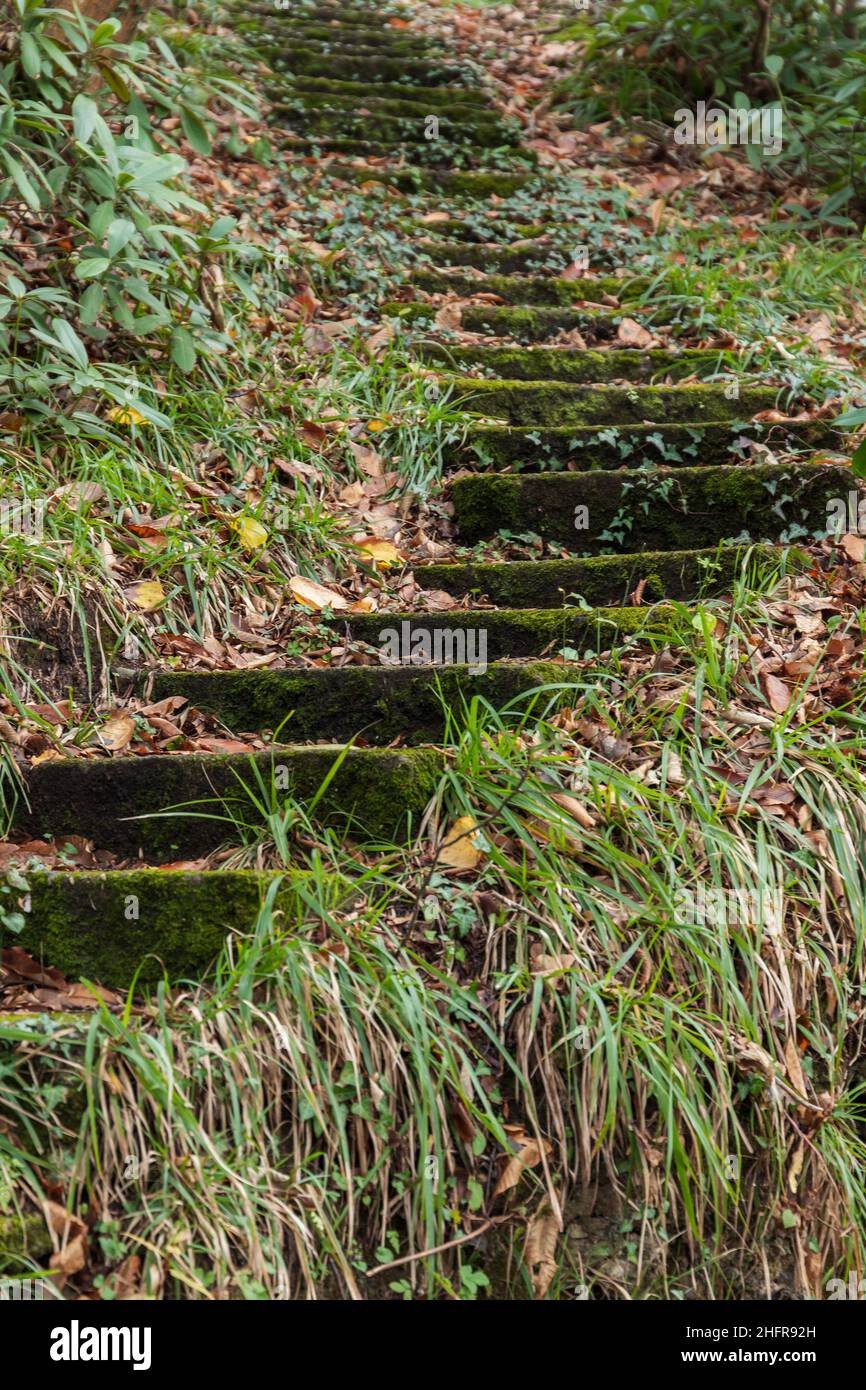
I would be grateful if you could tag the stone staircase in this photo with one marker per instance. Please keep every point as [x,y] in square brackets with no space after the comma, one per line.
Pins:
[558,430]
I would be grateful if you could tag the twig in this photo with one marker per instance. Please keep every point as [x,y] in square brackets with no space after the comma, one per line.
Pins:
[437,1249]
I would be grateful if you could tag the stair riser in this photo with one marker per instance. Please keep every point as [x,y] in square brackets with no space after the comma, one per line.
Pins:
[376,793]
[676,509]
[606,581]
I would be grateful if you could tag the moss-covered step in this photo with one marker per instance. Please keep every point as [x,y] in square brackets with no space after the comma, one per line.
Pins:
[472,184]
[435,96]
[374,794]
[575,364]
[373,68]
[147,923]
[309,33]
[477,233]
[495,634]
[434,155]
[376,129]
[552,403]
[525,324]
[321,13]
[604,581]
[376,703]
[661,509]
[538,257]
[513,289]
[470,117]
[578,448]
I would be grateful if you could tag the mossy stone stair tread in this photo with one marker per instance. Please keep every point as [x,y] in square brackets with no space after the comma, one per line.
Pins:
[556,402]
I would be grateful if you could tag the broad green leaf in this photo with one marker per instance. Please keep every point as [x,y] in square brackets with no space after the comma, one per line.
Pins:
[195,131]
[84,117]
[91,267]
[774,62]
[183,352]
[858,461]
[21,181]
[120,234]
[31,59]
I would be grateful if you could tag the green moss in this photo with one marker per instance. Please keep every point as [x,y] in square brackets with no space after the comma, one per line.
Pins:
[472,184]
[375,789]
[501,260]
[377,129]
[308,33]
[603,581]
[471,118]
[582,365]
[380,702]
[558,403]
[435,96]
[24,1241]
[530,290]
[512,632]
[108,926]
[372,67]
[605,446]
[668,509]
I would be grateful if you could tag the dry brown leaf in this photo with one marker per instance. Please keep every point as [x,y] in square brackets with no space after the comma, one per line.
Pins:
[314,595]
[116,733]
[777,692]
[633,334]
[70,1235]
[539,1248]
[854,547]
[528,1153]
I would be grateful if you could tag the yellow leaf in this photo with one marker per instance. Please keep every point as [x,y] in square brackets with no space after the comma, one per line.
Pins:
[314,595]
[127,415]
[459,851]
[251,532]
[377,426]
[382,553]
[147,594]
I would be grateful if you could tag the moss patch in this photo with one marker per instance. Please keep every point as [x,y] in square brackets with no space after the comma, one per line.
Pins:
[372,67]
[516,632]
[529,290]
[104,926]
[562,364]
[379,129]
[376,791]
[436,96]
[24,1241]
[603,581]
[380,703]
[668,509]
[501,260]
[462,185]
[552,403]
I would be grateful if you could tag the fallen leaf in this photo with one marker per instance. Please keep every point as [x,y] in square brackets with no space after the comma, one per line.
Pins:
[459,851]
[382,553]
[633,333]
[539,1248]
[777,692]
[147,594]
[854,547]
[251,532]
[116,733]
[126,415]
[314,595]
[528,1154]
